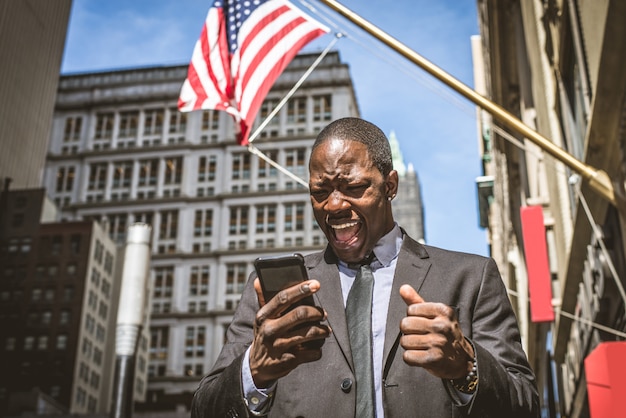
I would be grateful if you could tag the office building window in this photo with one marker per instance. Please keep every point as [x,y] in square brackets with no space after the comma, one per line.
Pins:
[199,281]
[168,228]
[207,167]
[104,128]
[127,129]
[235,278]
[266,170]
[294,216]
[163,281]
[241,166]
[295,161]
[122,174]
[266,218]
[73,126]
[296,110]
[159,340]
[195,340]
[153,122]
[65,179]
[210,120]
[238,223]
[148,170]
[178,121]
[203,223]
[117,226]
[97,176]
[322,109]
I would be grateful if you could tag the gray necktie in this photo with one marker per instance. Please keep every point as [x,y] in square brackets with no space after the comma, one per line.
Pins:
[359,319]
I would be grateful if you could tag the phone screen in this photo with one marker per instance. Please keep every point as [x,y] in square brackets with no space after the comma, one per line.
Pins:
[278,273]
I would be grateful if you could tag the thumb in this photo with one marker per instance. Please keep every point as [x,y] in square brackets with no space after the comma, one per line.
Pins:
[259,292]
[410,295]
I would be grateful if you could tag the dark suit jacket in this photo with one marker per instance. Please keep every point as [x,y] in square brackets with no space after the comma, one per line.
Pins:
[470,283]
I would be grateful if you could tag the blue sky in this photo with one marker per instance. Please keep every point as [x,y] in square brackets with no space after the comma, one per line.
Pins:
[435,126]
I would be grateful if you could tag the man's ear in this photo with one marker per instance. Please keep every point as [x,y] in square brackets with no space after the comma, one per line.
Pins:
[391,184]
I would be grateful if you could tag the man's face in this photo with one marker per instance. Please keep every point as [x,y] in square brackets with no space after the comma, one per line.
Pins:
[350,197]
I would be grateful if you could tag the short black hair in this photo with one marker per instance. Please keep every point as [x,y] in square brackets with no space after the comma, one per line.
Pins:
[360,130]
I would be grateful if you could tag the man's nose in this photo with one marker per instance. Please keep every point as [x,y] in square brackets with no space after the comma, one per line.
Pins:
[336,202]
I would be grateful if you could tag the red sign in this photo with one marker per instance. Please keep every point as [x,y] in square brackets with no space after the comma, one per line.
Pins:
[605,369]
[537,267]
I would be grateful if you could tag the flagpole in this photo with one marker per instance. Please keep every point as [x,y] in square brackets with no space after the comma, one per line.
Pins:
[598,180]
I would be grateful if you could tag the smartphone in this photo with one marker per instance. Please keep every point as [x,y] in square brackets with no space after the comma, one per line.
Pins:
[280,272]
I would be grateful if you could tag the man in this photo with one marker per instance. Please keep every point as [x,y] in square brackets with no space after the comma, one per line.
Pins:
[445,341]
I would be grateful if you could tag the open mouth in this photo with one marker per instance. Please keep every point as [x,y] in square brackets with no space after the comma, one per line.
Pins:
[345,232]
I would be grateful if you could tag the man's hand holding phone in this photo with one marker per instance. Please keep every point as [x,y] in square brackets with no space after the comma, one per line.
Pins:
[287,329]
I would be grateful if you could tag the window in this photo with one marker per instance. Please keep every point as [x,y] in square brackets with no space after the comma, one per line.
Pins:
[65,179]
[9,343]
[42,342]
[104,126]
[266,218]
[241,166]
[153,122]
[294,217]
[163,280]
[199,281]
[238,220]
[168,227]
[64,317]
[203,223]
[61,343]
[122,174]
[235,278]
[148,170]
[75,244]
[178,121]
[29,342]
[173,170]
[128,124]
[322,109]
[97,177]
[294,161]
[117,227]
[158,342]
[296,110]
[210,120]
[195,338]
[266,108]
[35,295]
[207,167]
[265,169]
[72,130]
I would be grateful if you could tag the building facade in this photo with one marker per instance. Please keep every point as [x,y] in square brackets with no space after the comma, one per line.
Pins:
[58,304]
[32,37]
[557,65]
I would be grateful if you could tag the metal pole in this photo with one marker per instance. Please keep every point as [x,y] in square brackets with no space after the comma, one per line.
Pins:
[598,179]
[130,317]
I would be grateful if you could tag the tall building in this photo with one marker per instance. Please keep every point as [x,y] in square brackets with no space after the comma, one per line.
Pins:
[120,152]
[59,290]
[32,37]
[559,67]
[408,208]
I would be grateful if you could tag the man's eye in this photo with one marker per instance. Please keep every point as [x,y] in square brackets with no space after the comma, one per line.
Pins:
[319,194]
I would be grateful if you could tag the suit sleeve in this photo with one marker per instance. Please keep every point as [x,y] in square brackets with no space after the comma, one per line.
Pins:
[220,393]
[506,382]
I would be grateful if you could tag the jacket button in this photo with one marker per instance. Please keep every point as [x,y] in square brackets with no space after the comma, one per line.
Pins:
[346,385]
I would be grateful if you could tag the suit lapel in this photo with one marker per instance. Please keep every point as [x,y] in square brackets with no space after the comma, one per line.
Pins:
[411,268]
[330,297]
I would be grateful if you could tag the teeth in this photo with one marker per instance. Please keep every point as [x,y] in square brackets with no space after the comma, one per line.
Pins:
[344,226]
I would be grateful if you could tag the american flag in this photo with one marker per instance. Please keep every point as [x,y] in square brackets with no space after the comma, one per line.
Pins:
[243,48]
